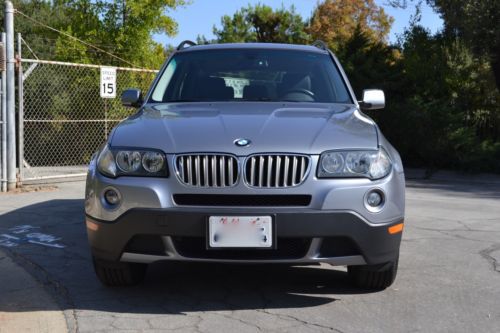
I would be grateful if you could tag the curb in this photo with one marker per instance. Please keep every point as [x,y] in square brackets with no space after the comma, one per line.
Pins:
[451,176]
[25,305]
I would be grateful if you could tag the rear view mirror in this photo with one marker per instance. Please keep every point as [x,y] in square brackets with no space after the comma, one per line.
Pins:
[373,99]
[132,98]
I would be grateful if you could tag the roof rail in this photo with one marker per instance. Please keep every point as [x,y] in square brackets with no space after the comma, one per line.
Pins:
[185,44]
[320,45]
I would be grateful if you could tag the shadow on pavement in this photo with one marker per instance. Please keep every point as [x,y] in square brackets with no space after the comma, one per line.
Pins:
[169,287]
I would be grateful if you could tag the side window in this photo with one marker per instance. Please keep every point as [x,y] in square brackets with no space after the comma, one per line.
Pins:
[161,87]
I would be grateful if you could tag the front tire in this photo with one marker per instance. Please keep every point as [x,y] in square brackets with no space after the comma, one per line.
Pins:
[376,277]
[115,274]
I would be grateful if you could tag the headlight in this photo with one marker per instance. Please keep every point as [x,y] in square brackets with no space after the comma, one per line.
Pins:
[373,164]
[153,161]
[128,161]
[132,162]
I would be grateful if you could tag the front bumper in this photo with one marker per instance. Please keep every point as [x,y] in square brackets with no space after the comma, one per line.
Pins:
[303,236]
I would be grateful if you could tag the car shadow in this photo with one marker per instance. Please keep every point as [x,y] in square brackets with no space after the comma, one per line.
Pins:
[67,272]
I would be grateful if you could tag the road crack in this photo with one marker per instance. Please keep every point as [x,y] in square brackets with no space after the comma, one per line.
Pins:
[486,254]
[51,285]
[301,321]
[265,310]
[451,233]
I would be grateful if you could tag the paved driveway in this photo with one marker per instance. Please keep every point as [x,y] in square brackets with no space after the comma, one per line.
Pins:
[448,281]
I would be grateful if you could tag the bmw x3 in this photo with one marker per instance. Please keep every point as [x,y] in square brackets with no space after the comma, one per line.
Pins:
[247,153]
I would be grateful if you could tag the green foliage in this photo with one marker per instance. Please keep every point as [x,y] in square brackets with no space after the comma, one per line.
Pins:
[121,27]
[476,22]
[442,111]
[67,97]
[443,101]
[261,23]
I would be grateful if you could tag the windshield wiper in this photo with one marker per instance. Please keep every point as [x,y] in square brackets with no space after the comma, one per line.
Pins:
[261,99]
[181,100]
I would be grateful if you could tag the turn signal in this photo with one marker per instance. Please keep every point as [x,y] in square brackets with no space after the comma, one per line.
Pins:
[92,226]
[396,228]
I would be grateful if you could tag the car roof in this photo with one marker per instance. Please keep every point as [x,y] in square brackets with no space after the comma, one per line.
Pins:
[264,46]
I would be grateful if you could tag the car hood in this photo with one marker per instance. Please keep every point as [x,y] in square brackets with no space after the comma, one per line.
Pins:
[271,128]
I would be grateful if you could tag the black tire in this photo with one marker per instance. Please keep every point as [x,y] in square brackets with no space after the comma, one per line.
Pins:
[376,277]
[115,274]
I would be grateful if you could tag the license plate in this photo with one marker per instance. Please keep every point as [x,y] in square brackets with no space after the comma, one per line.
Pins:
[240,231]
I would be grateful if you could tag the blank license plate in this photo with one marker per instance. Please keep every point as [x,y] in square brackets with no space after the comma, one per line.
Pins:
[240,231]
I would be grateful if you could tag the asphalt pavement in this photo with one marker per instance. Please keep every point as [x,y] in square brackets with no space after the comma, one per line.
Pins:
[448,280]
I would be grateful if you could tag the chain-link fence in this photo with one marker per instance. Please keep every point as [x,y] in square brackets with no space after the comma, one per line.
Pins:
[65,119]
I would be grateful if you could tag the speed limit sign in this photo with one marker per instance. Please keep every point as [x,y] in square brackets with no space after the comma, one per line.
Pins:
[108,82]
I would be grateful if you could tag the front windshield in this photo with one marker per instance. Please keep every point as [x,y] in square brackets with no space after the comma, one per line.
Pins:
[251,75]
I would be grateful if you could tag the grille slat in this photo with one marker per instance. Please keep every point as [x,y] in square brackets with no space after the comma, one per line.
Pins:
[261,170]
[294,171]
[276,171]
[285,177]
[230,169]
[252,176]
[207,170]
[197,170]
[189,170]
[223,172]
[269,169]
[213,162]
[303,165]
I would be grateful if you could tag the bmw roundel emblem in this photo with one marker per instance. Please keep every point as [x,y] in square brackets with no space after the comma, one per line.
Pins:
[242,142]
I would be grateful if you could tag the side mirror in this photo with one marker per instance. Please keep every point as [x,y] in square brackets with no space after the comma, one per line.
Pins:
[373,99]
[132,98]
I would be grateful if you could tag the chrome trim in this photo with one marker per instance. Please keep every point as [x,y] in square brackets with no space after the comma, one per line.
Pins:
[310,257]
[290,161]
[334,261]
[294,168]
[203,161]
[205,171]
[261,171]
[269,170]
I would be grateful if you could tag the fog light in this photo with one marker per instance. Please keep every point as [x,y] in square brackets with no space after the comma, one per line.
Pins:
[374,199]
[112,197]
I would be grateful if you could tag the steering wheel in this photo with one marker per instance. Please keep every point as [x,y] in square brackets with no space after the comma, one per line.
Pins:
[300,91]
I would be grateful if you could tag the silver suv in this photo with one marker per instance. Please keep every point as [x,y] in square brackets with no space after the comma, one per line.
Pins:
[247,153]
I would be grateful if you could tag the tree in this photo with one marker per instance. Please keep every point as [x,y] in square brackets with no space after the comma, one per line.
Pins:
[473,21]
[120,27]
[476,22]
[40,39]
[124,26]
[261,23]
[335,22]
[369,64]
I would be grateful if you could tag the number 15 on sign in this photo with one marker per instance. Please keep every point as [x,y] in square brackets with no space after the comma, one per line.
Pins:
[108,82]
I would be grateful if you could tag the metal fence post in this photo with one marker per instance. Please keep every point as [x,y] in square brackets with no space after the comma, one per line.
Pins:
[11,89]
[3,177]
[20,111]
